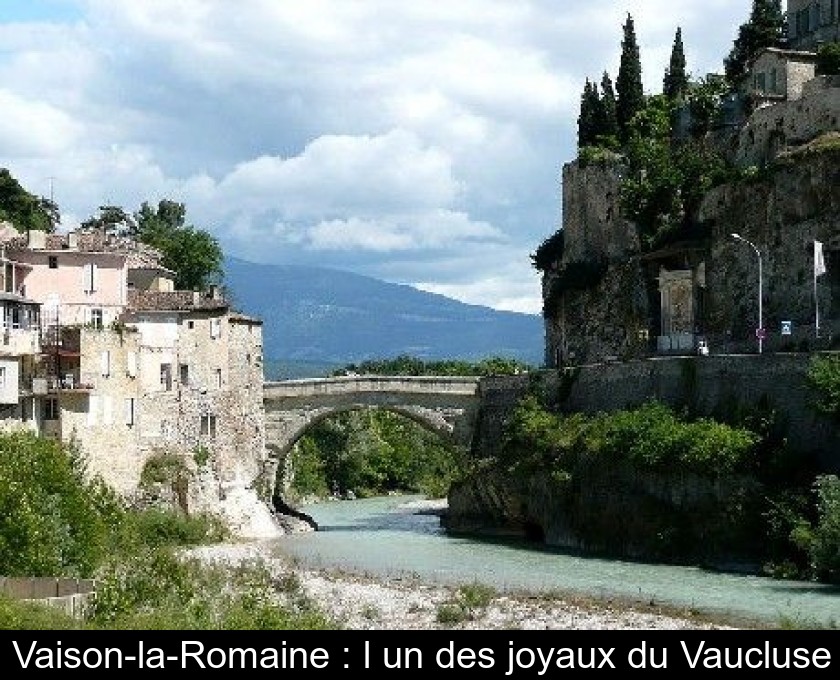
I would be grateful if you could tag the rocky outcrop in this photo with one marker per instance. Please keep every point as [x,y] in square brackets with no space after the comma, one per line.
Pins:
[612,509]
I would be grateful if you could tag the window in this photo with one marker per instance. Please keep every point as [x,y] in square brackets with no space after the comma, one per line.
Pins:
[774,81]
[208,425]
[51,409]
[2,377]
[91,278]
[190,324]
[215,328]
[166,376]
[105,361]
[52,261]
[130,409]
[131,365]
[97,317]
[184,372]
[218,373]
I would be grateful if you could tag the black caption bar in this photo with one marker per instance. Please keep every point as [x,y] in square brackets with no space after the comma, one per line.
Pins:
[500,654]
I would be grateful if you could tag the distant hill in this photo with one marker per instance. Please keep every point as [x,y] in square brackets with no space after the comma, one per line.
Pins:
[317,318]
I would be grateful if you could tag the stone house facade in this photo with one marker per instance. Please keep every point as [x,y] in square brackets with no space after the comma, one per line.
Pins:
[811,23]
[126,367]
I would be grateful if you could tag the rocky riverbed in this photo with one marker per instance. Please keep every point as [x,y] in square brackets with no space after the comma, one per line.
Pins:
[365,602]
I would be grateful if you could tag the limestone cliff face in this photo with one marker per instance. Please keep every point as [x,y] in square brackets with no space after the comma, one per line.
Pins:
[796,202]
[783,209]
[612,509]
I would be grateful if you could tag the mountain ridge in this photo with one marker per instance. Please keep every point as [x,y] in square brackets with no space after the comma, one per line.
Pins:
[316,314]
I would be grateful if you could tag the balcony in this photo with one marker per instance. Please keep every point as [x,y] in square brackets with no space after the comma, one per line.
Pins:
[68,382]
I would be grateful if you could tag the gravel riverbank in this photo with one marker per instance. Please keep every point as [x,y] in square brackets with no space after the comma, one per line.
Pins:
[363,602]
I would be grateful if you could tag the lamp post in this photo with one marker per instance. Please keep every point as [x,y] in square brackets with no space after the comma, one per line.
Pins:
[760,331]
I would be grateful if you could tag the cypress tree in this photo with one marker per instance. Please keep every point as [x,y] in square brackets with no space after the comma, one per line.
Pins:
[608,119]
[631,95]
[765,28]
[588,119]
[675,83]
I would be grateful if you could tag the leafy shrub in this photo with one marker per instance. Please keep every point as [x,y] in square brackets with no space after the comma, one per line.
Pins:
[53,520]
[17,615]
[549,251]
[822,539]
[824,379]
[155,527]
[828,59]
[160,591]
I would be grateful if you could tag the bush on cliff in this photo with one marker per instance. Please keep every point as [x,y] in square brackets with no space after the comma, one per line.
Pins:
[645,483]
[824,379]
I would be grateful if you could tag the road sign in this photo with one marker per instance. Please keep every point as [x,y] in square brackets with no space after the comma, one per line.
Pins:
[761,333]
[787,327]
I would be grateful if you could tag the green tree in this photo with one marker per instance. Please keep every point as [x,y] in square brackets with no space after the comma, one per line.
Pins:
[765,28]
[194,255]
[828,59]
[112,219]
[588,119]
[607,128]
[629,88]
[24,210]
[675,83]
[53,520]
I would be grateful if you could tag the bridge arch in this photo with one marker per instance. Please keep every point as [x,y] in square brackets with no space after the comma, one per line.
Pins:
[447,406]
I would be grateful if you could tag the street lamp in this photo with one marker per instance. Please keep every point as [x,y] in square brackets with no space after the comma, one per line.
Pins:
[760,331]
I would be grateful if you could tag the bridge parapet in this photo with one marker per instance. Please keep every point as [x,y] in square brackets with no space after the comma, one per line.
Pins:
[439,385]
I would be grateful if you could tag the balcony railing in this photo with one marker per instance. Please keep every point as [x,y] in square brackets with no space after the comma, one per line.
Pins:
[69,382]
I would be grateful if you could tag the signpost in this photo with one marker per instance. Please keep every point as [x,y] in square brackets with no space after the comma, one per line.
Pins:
[787,327]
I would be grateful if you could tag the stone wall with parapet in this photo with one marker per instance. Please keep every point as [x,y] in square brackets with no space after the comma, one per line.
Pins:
[773,129]
[707,386]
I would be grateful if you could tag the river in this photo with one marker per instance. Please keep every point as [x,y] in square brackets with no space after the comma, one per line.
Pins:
[387,536]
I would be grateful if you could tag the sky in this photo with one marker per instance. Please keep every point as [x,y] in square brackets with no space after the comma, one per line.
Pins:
[415,142]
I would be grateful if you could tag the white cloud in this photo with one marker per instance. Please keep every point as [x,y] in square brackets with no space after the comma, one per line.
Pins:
[420,142]
[34,128]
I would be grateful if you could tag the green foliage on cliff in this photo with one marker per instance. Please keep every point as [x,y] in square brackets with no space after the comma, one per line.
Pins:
[371,453]
[824,379]
[549,252]
[650,482]
[828,59]
[666,181]
[652,437]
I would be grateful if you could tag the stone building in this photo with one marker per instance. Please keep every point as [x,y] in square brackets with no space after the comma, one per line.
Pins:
[777,75]
[811,23]
[101,350]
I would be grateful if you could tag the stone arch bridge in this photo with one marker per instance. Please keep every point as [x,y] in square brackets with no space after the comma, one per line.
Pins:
[445,405]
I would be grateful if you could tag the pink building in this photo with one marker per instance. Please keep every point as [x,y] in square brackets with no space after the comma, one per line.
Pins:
[75,278]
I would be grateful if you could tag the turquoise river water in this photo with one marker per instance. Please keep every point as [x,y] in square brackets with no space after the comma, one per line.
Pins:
[380,536]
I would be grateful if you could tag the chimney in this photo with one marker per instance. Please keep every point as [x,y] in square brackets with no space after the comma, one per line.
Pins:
[36,240]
